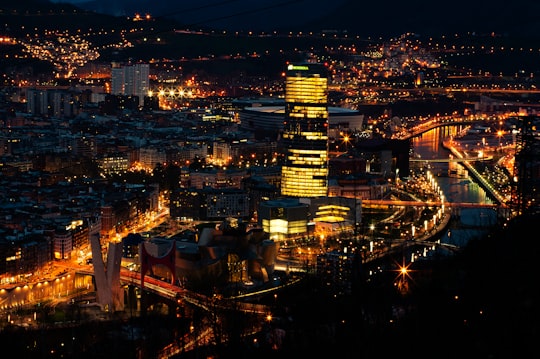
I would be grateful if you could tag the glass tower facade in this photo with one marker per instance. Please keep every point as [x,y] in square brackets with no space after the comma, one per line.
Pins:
[305,135]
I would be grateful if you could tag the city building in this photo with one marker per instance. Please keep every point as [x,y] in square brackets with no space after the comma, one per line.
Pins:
[22,254]
[228,254]
[266,121]
[387,157]
[150,157]
[338,271]
[217,178]
[333,216]
[305,135]
[113,163]
[131,80]
[209,203]
[258,189]
[55,102]
[290,218]
[284,218]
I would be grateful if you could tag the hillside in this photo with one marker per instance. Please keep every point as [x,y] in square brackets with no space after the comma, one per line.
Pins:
[367,19]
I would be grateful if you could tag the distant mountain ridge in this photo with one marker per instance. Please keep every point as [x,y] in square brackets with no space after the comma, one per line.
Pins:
[519,17]
[367,19]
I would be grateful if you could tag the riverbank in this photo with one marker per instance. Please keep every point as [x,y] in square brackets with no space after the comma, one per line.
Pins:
[479,303]
[454,148]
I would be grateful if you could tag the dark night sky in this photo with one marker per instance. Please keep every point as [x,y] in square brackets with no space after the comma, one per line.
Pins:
[370,18]
[220,13]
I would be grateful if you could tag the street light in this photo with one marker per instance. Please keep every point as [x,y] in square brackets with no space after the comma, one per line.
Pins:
[372,228]
[402,277]
[346,141]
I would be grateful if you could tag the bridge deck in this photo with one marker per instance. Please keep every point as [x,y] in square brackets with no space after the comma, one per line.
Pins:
[390,202]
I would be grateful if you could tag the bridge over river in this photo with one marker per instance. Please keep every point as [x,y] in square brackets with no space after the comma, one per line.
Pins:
[396,202]
[174,292]
[452,159]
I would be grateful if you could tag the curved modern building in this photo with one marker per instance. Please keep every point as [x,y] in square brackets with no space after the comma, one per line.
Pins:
[269,117]
[305,131]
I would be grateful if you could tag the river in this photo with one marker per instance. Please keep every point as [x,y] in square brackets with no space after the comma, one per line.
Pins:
[457,187]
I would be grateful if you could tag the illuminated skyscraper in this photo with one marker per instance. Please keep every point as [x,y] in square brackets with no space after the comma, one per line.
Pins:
[305,135]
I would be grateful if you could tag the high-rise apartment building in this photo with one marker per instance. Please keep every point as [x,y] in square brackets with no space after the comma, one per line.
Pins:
[305,134]
[54,102]
[131,80]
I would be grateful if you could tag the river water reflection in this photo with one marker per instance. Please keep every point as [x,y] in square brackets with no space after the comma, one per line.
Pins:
[456,186]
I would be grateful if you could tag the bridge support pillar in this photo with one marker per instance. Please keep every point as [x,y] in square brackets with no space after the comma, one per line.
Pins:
[109,293]
[147,261]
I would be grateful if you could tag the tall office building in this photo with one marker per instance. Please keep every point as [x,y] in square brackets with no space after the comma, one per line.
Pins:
[131,80]
[305,134]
